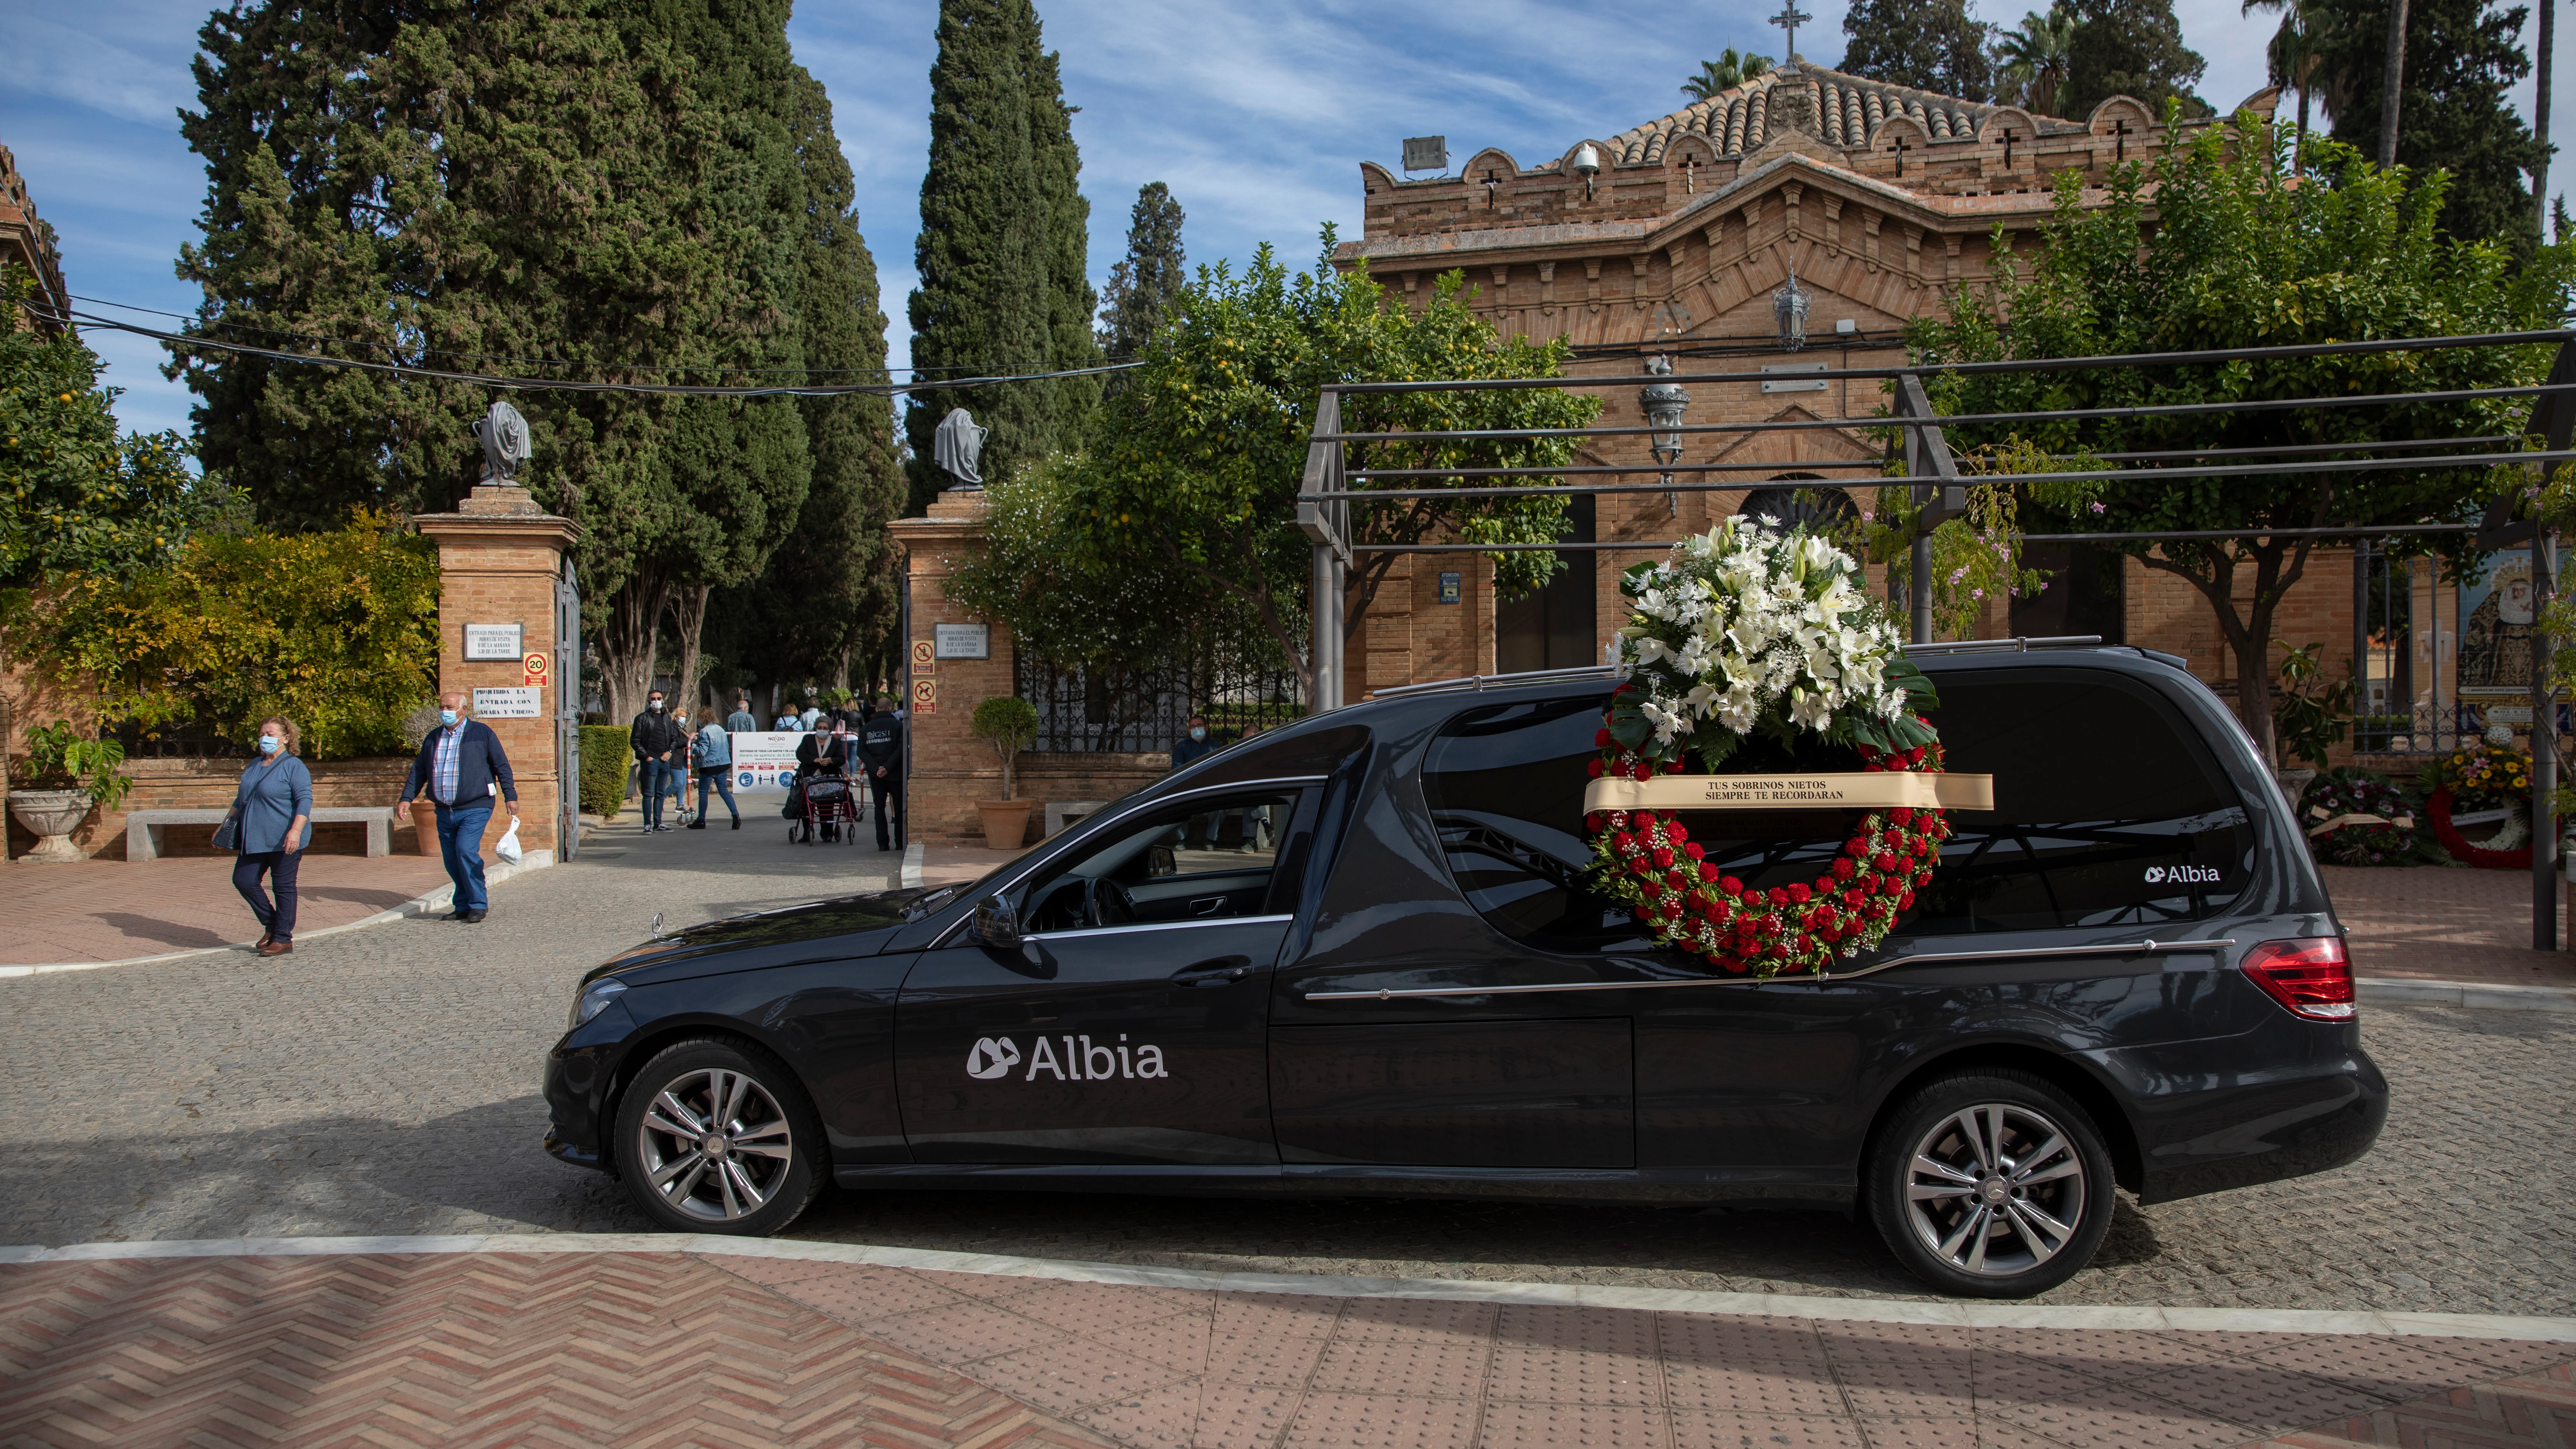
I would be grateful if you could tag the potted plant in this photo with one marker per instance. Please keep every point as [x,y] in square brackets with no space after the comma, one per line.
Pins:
[1010,723]
[424,811]
[2309,716]
[63,777]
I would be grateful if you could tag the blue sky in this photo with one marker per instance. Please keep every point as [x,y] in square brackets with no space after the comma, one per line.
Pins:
[1256,114]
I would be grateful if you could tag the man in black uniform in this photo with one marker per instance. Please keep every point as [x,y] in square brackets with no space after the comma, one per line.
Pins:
[881,760]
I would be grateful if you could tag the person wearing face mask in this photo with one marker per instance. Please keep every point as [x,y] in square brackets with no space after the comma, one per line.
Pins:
[676,780]
[461,767]
[657,743]
[273,807]
[1186,751]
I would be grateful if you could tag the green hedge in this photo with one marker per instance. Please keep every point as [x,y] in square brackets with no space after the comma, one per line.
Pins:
[604,757]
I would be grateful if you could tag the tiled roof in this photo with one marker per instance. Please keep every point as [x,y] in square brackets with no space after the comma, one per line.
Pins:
[1846,109]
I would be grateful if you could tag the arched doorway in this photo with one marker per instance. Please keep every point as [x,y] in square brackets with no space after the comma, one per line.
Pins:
[1821,509]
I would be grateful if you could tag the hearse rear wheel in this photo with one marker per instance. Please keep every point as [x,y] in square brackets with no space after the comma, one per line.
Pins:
[1990,1184]
[716,1136]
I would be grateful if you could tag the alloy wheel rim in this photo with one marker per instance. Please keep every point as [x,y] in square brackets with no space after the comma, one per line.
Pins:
[714,1144]
[1996,1189]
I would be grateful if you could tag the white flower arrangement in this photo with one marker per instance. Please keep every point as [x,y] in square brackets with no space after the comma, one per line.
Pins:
[1750,627]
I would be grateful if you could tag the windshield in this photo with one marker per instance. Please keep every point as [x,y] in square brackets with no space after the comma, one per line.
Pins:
[940,897]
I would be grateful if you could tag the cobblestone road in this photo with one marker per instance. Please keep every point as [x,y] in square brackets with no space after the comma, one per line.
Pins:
[384,1081]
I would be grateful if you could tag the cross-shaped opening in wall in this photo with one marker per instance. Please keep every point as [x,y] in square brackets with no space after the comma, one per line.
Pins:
[1690,175]
[1492,192]
[2121,130]
[2008,145]
[1899,149]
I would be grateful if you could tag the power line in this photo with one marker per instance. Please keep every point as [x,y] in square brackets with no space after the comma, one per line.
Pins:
[324,339]
[542,384]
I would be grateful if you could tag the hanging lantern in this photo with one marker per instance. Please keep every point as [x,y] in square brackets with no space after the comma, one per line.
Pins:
[1664,403]
[1789,305]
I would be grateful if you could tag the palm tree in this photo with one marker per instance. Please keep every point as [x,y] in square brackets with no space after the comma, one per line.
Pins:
[1725,73]
[2035,56]
[2297,53]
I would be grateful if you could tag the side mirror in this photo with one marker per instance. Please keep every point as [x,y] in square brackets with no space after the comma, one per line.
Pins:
[1159,861]
[996,924]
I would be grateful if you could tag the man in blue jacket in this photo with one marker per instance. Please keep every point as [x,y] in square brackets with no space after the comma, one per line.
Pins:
[461,767]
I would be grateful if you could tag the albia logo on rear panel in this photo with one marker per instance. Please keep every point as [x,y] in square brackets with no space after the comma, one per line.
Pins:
[2182,875]
[993,1057]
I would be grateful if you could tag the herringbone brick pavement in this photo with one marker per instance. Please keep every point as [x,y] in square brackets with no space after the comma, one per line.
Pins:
[463,1350]
[655,1349]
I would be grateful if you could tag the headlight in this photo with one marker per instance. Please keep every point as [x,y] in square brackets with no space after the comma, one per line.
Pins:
[594,999]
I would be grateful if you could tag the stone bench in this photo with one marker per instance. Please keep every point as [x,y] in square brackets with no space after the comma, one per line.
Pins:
[143,827]
[1055,815]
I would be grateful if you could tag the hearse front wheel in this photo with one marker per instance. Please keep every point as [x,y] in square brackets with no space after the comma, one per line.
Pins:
[1990,1184]
[715,1136]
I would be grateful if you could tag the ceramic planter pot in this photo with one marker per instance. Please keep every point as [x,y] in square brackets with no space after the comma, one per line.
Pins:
[1006,822]
[424,826]
[53,815]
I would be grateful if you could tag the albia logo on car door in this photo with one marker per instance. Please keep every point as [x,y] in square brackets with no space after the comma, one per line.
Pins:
[992,1057]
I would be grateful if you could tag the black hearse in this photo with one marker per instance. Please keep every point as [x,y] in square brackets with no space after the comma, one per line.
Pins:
[1355,956]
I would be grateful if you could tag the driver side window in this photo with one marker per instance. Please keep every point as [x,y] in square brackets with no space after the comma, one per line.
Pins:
[1207,859]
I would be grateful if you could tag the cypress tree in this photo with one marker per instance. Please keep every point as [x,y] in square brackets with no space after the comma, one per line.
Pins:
[1071,302]
[1004,243]
[2452,112]
[828,592]
[1935,46]
[1144,282]
[2129,48]
[983,250]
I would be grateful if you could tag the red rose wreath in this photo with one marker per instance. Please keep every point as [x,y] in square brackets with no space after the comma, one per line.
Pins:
[1749,630]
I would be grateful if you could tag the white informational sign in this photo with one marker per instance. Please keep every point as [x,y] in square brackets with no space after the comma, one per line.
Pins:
[493,643]
[513,702]
[963,641]
[764,759]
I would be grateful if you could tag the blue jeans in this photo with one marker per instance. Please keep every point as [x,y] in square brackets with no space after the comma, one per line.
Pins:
[279,866]
[721,777]
[460,844]
[657,777]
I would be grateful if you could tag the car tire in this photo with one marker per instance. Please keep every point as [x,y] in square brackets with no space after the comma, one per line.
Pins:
[716,1136]
[1990,1184]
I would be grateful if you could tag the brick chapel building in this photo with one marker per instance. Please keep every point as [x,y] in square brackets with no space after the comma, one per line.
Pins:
[1674,235]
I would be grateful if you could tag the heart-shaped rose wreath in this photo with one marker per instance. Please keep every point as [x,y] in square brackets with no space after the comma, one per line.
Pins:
[1750,631]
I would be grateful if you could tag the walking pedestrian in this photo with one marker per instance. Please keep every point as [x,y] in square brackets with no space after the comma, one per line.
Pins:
[461,767]
[741,722]
[678,778]
[787,721]
[273,808]
[881,760]
[714,755]
[813,715]
[655,740]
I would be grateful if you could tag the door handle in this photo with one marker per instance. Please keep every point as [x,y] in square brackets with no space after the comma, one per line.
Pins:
[1207,906]
[1218,972]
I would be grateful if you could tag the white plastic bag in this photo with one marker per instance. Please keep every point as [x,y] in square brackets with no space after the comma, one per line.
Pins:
[508,849]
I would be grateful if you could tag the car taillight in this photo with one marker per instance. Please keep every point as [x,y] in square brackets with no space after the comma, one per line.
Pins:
[2311,977]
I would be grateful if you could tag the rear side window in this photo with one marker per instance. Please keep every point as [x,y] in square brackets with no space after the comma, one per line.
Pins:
[2110,811]
[1505,787]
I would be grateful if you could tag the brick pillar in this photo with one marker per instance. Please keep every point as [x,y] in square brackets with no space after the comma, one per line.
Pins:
[951,768]
[499,559]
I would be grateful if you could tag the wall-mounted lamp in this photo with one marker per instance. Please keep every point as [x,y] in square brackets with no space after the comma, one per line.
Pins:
[1789,306]
[1587,164]
[1664,403]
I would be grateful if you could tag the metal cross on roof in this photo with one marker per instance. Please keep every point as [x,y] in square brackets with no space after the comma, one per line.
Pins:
[1789,19]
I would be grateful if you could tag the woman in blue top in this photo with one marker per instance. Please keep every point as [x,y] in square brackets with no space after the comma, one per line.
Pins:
[274,808]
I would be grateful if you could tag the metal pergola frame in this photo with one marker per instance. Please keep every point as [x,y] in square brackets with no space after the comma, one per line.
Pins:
[1330,487]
